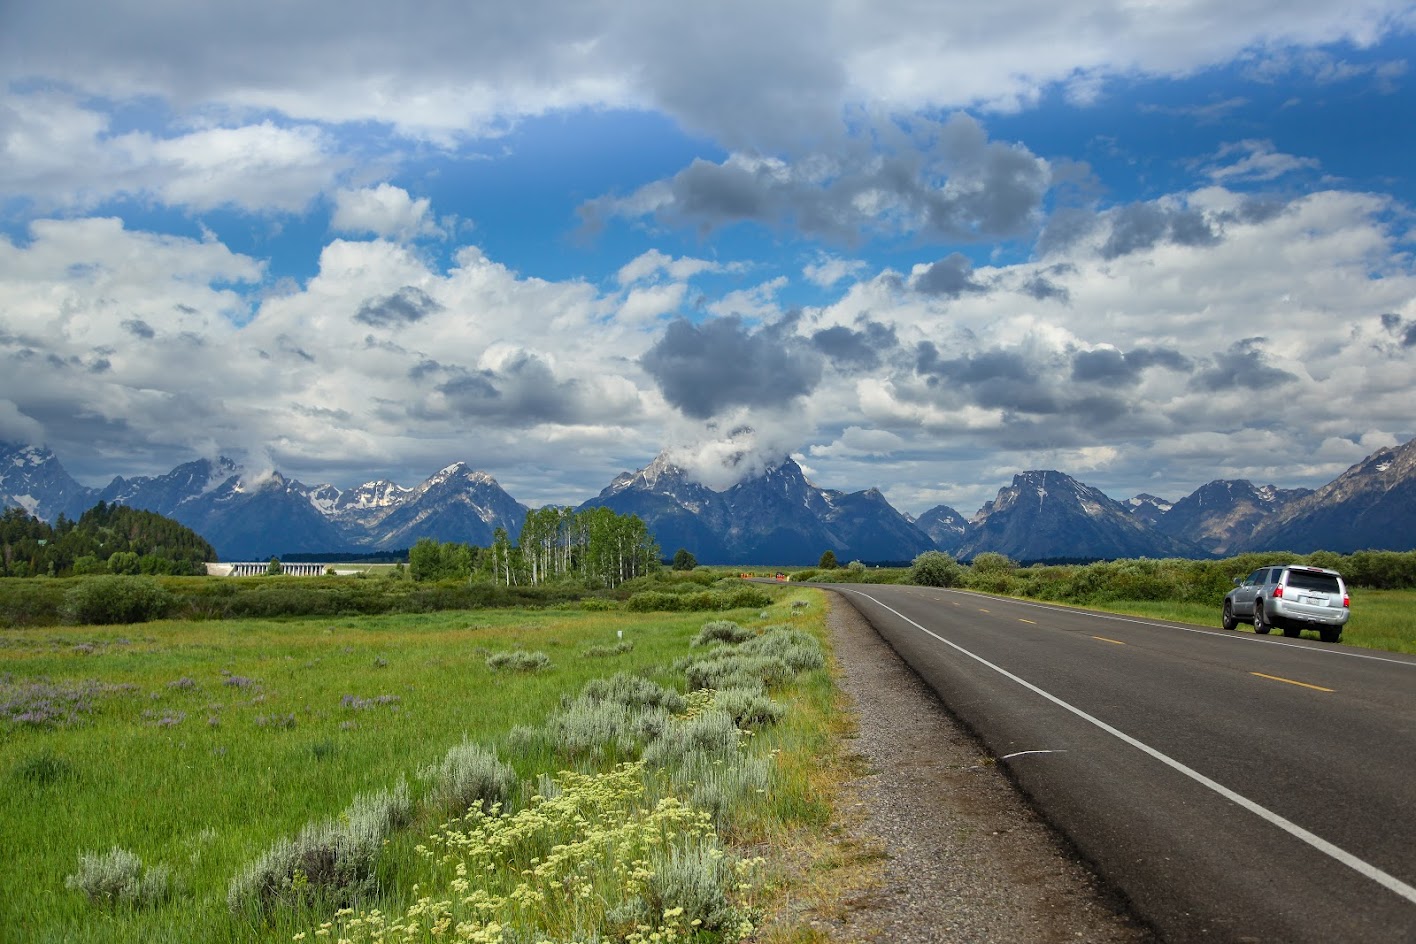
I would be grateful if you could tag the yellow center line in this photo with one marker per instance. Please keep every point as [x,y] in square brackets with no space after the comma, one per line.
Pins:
[1114,642]
[1275,678]
[1021,620]
[982,610]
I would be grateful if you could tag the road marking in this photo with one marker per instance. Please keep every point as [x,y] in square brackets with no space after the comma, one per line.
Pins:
[982,610]
[1021,620]
[1276,678]
[1024,753]
[1114,642]
[1359,866]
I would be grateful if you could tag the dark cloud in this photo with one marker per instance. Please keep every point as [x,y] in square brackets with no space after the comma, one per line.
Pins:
[1064,228]
[995,379]
[950,277]
[1112,368]
[1242,366]
[706,368]
[1404,331]
[139,328]
[1139,226]
[1255,210]
[1042,288]
[862,349]
[404,306]
[940,180]
[523,390]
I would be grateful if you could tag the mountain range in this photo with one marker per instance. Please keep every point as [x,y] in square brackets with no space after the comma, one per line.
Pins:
[777,517]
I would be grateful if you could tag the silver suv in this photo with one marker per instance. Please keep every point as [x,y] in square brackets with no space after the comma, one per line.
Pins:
[1291,597]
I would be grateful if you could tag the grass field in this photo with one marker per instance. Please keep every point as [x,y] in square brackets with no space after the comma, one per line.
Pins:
[196,745]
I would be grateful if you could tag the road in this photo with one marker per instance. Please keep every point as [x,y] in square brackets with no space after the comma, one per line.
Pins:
[1233,787]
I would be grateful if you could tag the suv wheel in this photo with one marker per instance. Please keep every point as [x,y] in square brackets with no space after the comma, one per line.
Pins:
[1261,626]
[1227,619]
[1332,634]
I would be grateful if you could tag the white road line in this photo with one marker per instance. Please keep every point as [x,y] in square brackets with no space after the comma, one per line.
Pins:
[1360,866]
[1025,753]
[1234,636]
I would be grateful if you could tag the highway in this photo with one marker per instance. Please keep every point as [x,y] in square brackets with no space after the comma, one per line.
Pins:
[1233,787]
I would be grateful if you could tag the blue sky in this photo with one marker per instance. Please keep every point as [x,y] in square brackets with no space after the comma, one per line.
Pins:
[916,248]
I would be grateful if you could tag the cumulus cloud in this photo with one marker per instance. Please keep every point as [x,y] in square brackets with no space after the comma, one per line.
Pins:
[384,210]
[950,277]
[1112,368]
[406,305]
[1244,365]
[1139,226]
[942,180]
[59,153]
[850,349]
[788,74]
[705,369]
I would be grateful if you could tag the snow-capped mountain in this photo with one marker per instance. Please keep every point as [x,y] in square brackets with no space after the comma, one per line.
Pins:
[1222,515]
[32,478]
[1149,508]
[1046,515]
[945,527]
[1370,506]
[777,517]
[254,517]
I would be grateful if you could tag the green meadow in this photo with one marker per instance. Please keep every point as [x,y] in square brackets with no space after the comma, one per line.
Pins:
[197,746]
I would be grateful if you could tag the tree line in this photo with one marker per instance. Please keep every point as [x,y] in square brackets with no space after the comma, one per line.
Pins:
[596,546]
[107,539]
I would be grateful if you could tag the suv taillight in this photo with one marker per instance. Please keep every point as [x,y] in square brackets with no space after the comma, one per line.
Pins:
[1278,591]
[1346,600]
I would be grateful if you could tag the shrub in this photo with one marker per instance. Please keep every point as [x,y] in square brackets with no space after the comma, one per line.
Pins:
[115,599]
[469,776]
[738,597]
[711,733]
[117,877]
[732,668]
[605,729]
[748,708]
[797,648]
[518,661]
[722,631]
[805,575]
[934,569]
[695,878]
[599,652]
[632,691]
[331,862]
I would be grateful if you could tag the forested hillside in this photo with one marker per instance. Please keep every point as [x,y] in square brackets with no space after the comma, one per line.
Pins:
[106,539]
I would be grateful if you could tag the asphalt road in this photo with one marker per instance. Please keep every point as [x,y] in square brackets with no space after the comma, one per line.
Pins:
[1233,787]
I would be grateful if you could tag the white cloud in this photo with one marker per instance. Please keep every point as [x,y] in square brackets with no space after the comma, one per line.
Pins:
[828,270]
[59,154]
[384,210]
[1255,160]
[788,75]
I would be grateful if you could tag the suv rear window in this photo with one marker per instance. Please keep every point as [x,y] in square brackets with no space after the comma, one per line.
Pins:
[1306,580]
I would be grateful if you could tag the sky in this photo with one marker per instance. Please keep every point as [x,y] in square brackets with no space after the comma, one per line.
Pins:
[916,246]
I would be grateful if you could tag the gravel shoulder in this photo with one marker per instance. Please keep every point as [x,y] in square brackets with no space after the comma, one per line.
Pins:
[957,853]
